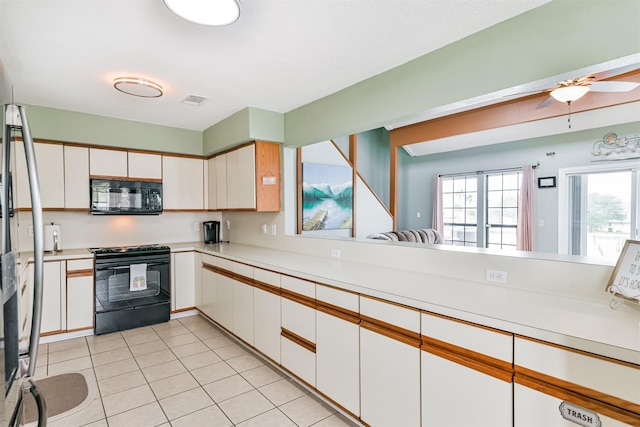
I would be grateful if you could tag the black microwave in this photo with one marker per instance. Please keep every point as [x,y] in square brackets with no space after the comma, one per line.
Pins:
[123,197]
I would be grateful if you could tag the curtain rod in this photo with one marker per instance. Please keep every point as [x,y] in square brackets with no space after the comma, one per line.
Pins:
[447,175]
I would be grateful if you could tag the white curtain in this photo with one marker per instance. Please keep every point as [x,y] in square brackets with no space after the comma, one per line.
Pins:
[526,212]
[437,220]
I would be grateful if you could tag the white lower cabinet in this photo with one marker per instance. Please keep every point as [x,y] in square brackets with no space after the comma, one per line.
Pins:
[338,347]
[80,295]
[52,297]
[466,374]
[208,292]
[298,335]
[389,364]
[561,386]
[223,301]
[266,313]
[183,280]
[242,304]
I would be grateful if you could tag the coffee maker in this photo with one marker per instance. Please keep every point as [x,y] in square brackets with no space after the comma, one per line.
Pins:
[211,230]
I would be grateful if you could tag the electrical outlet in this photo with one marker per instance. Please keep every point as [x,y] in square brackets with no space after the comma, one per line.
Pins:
[335,253]
[496,276]
[417,214]
[228,225]
[30,231]
[196,226]
[264,228]
[273,229]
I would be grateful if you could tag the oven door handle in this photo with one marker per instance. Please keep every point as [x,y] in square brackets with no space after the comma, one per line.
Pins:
[123,267]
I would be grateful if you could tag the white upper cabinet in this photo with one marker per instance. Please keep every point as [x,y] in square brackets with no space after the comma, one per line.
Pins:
[108,163]
[145,166]
[182,183]
[241,184]
[76,177]
[220,173]
[50,163]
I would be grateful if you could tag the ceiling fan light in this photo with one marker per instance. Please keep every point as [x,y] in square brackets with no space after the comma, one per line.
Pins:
[569,93]
[138,86]
[213,13]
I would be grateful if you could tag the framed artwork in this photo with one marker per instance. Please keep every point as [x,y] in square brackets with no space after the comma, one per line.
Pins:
[625,279]
[327,197]
[547,182]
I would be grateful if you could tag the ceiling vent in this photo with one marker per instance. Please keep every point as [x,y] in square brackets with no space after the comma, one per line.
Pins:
[194,100]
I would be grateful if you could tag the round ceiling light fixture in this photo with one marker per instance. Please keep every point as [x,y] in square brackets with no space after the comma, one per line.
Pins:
[213,13]
[138,86]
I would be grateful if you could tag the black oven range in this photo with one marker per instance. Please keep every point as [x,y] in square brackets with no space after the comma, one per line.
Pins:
[132,287]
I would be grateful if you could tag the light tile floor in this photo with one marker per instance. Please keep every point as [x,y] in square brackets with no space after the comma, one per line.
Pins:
[185,372]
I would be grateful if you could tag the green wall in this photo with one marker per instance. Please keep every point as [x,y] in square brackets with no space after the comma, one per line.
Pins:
[559,37]
[69,126]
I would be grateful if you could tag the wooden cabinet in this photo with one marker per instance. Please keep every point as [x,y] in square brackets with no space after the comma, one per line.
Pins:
[465,366]
[266,313]
[338,347]
[53,297]
[145,166]
[242,303]
[556,385]
[183,183]
[247,178]
[80,295]
[298,334]
[105,162]
[50,163]
[389,364]
[183,281]
[76,177]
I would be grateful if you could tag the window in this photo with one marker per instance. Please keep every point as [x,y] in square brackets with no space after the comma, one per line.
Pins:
[598,210]
[482,201]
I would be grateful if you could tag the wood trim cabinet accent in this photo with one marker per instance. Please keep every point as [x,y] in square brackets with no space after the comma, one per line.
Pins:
[390,331]
[302,342]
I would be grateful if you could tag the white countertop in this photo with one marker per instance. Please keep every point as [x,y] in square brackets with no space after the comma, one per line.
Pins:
[573,322]
[561,319]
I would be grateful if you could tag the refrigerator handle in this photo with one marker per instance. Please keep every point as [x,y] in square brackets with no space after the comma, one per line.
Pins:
[40,403]
[6,155]
[38,240]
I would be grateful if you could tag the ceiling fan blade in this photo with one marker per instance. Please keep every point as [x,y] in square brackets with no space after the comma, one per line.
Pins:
[544,103]
[613,86]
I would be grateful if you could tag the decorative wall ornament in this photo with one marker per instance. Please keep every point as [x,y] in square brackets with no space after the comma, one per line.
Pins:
[327,197]
[610,147]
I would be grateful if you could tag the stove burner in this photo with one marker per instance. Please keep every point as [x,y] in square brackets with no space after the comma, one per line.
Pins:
[129,249]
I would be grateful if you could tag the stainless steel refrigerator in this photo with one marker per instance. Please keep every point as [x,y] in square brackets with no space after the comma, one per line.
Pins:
[19,342]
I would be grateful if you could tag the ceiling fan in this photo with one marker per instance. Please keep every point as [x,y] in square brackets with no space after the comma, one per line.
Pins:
[574,89]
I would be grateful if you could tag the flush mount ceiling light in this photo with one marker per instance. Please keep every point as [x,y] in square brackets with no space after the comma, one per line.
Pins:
[206,12]
[137,86]
[569,94]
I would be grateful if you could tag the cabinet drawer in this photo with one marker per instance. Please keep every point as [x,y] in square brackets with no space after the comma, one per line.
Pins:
[299,360]
[478,339]
[603,379]
[265,276]
[335,297]
[299,319]
[79,264]
[299,286]
[392,314]
[243,270]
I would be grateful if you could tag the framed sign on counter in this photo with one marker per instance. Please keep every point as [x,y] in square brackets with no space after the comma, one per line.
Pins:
[625,279]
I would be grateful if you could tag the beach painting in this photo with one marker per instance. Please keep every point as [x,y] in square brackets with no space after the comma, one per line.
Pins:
[327,197]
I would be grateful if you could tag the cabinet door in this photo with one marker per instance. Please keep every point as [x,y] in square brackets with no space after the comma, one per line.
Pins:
[223,302]
[145,166]
[80,295]
[243,304]
[221,181]
[266,313]
[267,176]
[50,160]
[182,183]
[467,366]
[208,292]
[212,189]
[183,281]
[52,310]
[76,177]
[108,163]
[389,364]
[338,347]
[241,184]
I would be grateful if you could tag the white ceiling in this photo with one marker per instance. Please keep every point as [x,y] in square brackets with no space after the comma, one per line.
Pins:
[280,54]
